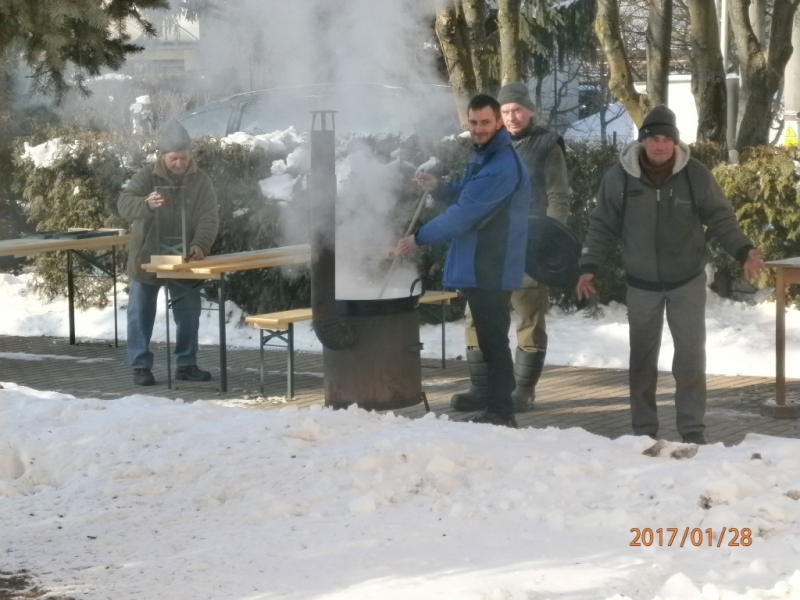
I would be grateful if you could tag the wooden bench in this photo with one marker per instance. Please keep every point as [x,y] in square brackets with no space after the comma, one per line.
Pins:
[280,325]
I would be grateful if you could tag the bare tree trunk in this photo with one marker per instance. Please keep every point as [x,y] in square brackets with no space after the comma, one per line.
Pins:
[606,26]
[475,29]
[459,67]
[658,40]
[708,73]
[508,26]
[762,71]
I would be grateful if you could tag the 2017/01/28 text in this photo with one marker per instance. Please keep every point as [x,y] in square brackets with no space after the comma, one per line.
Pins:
[694,536]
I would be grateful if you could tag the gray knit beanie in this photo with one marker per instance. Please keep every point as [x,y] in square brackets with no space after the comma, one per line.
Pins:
[515,92]
[660,121]
[174,138]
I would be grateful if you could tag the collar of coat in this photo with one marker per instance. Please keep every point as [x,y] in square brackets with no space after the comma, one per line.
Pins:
[629,158]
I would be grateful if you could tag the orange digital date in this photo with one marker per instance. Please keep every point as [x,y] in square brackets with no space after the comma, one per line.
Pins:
[694,536]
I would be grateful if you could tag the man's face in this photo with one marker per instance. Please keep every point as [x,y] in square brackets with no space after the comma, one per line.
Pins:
[177,162]
[515,116]
[483,124]
[659,148]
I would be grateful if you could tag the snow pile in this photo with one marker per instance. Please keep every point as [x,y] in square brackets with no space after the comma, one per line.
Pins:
[274,142]
[46,154]
[157,499]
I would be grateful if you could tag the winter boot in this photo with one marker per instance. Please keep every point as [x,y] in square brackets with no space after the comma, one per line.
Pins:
[192,373]
[527,370]
[475,397]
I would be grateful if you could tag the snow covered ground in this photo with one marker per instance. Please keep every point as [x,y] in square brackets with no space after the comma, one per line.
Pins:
[145,497]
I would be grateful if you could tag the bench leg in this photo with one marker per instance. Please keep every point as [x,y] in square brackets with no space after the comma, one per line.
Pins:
[444,347]
[290,363]
[261,353]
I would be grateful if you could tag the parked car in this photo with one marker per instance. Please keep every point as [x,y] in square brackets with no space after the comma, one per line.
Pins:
[362,108]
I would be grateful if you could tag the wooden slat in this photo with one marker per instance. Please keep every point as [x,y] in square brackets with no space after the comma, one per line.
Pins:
[431,297]
[291,259]
[237,258]
[27,246]
[279,319]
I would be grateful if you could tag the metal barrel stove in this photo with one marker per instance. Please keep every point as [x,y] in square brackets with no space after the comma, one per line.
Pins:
[371,348]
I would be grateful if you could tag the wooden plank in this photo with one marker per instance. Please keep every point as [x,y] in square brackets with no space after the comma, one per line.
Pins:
[28,246]
[186,275]
[244,257]
[432,297]
[282,318]
[291,259]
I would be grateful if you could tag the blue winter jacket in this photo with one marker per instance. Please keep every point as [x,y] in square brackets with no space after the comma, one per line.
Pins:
[487,221]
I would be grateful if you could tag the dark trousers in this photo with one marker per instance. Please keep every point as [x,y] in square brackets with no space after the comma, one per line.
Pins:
[492,319]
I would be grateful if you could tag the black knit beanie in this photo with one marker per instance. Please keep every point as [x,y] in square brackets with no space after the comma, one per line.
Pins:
[515,92]
[659,121]
[174,138]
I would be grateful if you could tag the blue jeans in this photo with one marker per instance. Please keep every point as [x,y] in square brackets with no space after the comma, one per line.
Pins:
[142,303]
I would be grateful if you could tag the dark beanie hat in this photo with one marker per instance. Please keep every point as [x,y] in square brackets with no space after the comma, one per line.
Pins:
[174,138]
[659,121]
[515,92]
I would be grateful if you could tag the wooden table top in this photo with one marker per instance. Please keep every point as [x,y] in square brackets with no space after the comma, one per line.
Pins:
[784,262]
[173,267]
[32,245]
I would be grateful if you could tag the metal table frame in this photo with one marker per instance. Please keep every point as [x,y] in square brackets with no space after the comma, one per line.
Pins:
[74,247]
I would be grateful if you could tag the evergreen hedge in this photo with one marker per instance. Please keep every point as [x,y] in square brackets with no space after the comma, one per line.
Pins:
[81,189]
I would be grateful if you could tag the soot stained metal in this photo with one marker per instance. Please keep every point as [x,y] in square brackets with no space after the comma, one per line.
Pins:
[370,348]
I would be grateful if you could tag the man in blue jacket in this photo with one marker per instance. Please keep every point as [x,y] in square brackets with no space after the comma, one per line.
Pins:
[486,225]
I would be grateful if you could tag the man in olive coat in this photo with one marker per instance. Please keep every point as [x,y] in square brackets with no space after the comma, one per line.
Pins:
[155,191]
[543,154]
[662,204]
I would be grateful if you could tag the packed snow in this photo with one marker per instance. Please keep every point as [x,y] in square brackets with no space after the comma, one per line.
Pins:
[145,497]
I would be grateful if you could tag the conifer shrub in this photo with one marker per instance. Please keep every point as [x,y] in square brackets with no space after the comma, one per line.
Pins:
[73,192]
[763,189]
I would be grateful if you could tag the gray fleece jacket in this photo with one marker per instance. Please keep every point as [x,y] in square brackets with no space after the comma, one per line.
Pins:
[663,230]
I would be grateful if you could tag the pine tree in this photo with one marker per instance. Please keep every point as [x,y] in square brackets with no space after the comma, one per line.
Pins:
[55,36]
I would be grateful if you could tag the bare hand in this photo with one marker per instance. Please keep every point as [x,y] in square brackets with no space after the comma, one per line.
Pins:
[196,253]
[405,245]
[585,288]
[427,181]
[753,266]
[154,200]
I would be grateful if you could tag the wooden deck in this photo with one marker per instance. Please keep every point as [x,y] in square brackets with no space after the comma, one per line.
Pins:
[593,399]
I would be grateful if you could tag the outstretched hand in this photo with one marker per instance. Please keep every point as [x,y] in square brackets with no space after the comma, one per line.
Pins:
[753,266]
[585,289]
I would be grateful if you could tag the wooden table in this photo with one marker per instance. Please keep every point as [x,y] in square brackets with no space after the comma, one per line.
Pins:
[787,272]
[213,268]
[74,246]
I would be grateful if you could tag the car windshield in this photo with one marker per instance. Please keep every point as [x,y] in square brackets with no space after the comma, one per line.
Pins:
[361,112]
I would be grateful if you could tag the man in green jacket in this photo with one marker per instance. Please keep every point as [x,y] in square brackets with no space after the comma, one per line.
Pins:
[662,204]
[151,200]
[543,155]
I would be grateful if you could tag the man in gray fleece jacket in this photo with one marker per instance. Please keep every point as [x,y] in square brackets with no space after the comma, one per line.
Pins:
[661,204]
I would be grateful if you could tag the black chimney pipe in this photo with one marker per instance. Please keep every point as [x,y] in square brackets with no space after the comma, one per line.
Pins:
[331,331]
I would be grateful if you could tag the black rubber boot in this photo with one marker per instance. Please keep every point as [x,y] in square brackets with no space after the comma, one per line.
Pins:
[475,397]
[527,370]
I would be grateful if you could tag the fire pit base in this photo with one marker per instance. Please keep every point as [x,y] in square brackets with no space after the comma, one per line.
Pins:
[382,371]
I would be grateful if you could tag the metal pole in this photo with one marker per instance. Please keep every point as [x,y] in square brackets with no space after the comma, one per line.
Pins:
[169,359]
[71,297]
[114,280]
[444,312]
[290,363]
[223,358]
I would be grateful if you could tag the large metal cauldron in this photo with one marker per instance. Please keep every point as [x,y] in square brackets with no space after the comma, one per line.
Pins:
[382,370]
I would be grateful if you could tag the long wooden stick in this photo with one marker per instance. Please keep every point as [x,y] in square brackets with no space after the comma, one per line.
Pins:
[408,232]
